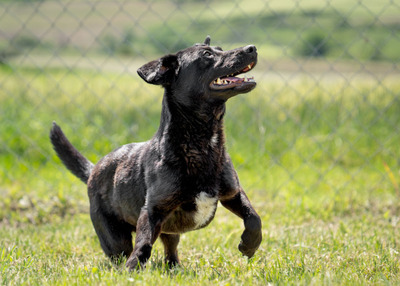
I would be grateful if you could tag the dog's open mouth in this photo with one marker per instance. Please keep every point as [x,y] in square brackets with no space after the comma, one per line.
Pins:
[233,82]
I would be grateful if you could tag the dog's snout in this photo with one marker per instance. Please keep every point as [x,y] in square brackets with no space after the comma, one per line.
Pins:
[250,49]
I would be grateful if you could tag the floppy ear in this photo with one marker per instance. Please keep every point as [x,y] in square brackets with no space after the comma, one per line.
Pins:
[160,71]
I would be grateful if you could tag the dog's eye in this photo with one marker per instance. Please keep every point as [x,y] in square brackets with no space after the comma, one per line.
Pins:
[207,54]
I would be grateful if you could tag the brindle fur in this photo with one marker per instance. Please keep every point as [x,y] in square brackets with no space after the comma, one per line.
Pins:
[152,188]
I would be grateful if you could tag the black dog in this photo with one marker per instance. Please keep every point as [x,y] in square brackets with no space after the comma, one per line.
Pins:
[172,183]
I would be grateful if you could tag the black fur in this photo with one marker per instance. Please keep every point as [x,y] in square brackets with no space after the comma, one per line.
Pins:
[172,183]
[72,159]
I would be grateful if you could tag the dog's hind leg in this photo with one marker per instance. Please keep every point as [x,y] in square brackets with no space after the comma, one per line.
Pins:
[170,242]
[115,235]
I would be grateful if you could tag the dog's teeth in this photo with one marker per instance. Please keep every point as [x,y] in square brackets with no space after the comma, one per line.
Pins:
[224,81]
[249,66]
[218,81]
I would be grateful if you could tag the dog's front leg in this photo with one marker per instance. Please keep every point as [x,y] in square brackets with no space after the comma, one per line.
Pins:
[159,205]
[252,236]
[148,229]
[234,199]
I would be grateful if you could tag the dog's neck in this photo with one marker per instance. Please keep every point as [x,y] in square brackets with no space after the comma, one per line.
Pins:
[196,136]
[200,122]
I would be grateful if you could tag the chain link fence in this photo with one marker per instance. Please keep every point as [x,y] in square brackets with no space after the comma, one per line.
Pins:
[324,117]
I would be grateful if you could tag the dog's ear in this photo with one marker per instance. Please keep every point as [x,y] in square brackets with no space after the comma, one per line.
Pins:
[207,41]
[161,71]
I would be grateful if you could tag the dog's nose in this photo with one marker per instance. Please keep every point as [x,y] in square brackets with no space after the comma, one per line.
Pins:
[250,49]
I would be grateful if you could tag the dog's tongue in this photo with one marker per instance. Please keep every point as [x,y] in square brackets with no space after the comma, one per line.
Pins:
[234,79]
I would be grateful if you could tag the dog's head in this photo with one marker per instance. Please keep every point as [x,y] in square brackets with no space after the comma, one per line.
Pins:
[203,72]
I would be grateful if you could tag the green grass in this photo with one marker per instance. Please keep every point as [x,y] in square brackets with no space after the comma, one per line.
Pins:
[319,163]
[350,250]
[318,159]
[347,29]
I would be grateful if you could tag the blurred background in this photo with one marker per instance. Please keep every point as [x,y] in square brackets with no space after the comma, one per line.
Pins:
[319,134]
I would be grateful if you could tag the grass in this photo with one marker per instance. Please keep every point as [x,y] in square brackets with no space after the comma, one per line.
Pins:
[346,251]
[346,29]
[319,162]
[318,158]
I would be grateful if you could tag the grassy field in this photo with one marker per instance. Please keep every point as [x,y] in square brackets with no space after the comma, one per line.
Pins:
[342,29]
[319,162]
[316,144]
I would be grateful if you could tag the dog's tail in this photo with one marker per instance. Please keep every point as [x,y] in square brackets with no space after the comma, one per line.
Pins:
[72,159]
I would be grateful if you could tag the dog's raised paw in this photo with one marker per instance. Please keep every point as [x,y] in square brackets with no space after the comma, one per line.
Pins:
[246,250]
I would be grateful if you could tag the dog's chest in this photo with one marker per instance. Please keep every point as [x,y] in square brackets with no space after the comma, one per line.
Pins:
[192,215]
[205,209]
